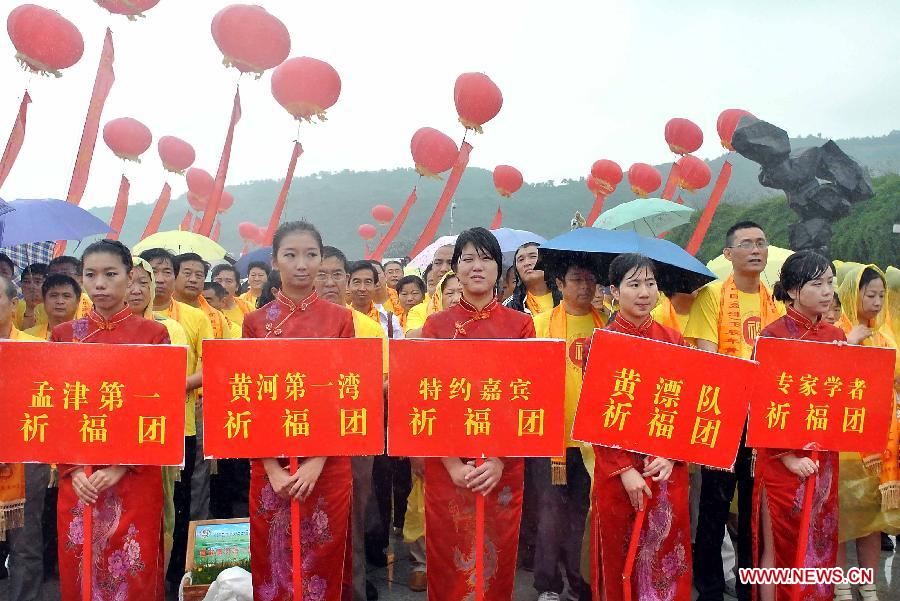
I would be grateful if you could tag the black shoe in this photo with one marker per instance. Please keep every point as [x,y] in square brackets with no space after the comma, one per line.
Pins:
[886,543]
[371,591]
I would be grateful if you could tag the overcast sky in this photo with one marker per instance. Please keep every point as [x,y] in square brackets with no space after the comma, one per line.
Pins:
[581,80]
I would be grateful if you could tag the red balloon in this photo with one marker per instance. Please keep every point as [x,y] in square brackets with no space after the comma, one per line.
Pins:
[382,213]
[477,98]
[726,124]
[226,201]
[367,231]
[432,151]
[507,180]
[248,231]
[198,203]
[606,175]
[260,236]
[644,179]
[693,173]
[683,136]
[45,41]
[595,186]
[251,40]
[176,154]
[128,138]
[200,186]
[129,8]
[306,87]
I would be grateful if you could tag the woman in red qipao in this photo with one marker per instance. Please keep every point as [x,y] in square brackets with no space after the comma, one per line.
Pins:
[662,566]
[126,501]
[451,483]
[321,485]
[806,286]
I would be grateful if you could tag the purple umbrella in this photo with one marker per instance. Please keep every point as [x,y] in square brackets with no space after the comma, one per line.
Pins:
[47,219]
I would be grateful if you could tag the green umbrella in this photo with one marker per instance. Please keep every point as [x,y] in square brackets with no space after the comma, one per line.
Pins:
[646,216]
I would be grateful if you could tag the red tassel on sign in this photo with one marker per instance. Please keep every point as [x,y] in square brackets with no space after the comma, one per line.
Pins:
[212,207]
[159,209]
[186,221]
[671,182]
[118,216]
[431,228]
[395,227]
[498,219]
[706,218]
[16,139]
[596,209]
[278,209]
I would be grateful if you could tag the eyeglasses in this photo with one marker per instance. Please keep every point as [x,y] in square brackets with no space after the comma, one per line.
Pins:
[336,276]
[750,244]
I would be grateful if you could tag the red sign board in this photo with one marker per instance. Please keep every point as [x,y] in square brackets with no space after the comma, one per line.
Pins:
[663,399]
[92,404]
[293,397]
[823,395]
[473,398]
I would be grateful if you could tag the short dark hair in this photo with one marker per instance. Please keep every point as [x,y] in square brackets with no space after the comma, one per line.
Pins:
[185,257]
[426,272]
[34,269]
[558,270]
[158,254]
[364,265]
[329,252]
[412,279]
[625,263]
[66,260]
[392,262]
[217,288]
[110,247]
[259,265]
[60,280]
[266,296]
[740,225]
[799,269]
[224,267]
[483,241]
[295,226]
[868,274]
[9,289]
[4,258]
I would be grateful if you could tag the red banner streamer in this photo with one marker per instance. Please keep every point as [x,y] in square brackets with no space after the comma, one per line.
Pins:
[159,209]
[395,227]
[431,228]
[278,209]
[217,229]
[118,216]
[212,206]
[596,209]
[671,183]
[706,218]
[16,139]
[498,219]
[186,221]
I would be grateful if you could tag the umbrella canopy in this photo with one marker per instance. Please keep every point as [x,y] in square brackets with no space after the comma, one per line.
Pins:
[646,216]
[677,271]
[263,255]
[38,220]
[178,242]
[424,258]
[510,240]
[777,256]
[5,208]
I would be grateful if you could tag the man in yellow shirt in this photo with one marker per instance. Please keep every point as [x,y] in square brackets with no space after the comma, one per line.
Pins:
[393,271]
[60,295]
[30,311]
[71,266]
[190,274]
[257,274]
[331,286]
[216,295]
[726,318]
[440,265]
[562,485]
[233,307]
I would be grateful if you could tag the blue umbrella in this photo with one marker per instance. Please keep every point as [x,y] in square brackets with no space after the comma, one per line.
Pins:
[5,208]
[510,240]
[263,254]
[47,219]
[678,271]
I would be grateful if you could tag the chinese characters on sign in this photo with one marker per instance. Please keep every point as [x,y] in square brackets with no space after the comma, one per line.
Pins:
[76,403]
[274,398]
[661,399]
[812,393]
[508,402]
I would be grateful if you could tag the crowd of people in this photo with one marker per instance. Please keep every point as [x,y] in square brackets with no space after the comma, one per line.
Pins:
[540,513]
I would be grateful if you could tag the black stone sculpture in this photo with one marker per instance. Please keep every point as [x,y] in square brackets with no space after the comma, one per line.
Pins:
[820,183]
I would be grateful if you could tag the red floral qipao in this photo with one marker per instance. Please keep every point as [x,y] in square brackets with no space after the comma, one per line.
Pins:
[450,510]
[325,515]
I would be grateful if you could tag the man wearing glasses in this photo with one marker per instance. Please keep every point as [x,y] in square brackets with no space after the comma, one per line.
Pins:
[726,318]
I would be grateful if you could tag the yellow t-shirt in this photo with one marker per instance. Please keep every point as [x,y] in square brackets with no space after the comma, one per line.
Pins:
[545,302]
[40,331]
[703,322]
[366,327]
[251,298]
[579,329]
[235,316]
[416,317]
[663,312]
[40,316]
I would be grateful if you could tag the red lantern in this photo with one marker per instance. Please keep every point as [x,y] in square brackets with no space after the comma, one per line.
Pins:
[432,151]
[260,238]
[693,173]
[200,186]
[382,213]
[644,179]
[45,41]
[683,136]
[607,175]
[477,98]
[367,231]
[176,154]
[251,40]
[129,8]
[507,180]
[198,203]
[248,231]
[595,186]
[306,87]
[728,121]
[128,138]
[226,201]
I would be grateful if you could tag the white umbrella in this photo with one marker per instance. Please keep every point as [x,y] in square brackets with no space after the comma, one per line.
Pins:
[424,258]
